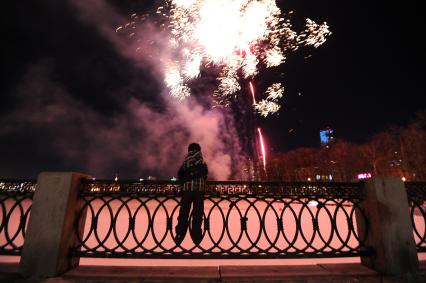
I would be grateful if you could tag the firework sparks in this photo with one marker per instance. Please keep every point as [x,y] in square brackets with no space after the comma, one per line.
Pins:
[175,82]
[262,148]
[275,92]
[270,104]
[316,35]
[266,107]
[236,37]
[228,86]
[192,66]
[274,57]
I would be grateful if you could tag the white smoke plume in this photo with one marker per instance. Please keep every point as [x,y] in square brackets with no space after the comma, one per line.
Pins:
[139,139]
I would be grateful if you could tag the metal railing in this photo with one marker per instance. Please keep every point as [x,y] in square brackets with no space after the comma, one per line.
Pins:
[15,207]
[241,220]
[416,193]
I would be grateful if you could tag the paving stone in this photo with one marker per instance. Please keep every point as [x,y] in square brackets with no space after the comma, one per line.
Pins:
[323,273]
[9,267]
[348,269]
[271,272]
[146,272]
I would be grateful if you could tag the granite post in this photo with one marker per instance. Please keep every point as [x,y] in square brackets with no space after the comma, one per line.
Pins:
[390,231]
[51,228]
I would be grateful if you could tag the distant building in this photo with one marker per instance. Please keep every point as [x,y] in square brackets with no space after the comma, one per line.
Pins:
[324,178]
[326,137]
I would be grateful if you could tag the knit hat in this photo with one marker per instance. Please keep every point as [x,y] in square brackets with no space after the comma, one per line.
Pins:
[194,147]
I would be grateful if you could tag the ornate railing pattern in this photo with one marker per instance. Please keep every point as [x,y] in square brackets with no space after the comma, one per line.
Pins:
[416,193]
[15,206]
[241,220]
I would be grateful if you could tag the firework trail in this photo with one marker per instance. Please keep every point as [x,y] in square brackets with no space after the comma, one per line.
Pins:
[262,148]
[235,39]
[252,93]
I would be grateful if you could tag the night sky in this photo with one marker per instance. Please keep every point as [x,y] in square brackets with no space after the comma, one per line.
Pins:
[64,84]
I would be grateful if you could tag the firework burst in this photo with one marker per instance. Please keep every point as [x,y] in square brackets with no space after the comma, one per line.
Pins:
[236,37]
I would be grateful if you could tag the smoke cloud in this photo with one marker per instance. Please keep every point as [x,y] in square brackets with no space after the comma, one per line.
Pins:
[137,140]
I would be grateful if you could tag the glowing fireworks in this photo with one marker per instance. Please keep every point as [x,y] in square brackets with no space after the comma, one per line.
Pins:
[270,104]
[274,57]
[175,82]
[252,93]
[262,148]
[235,38]
[316,34]
[275,91]
[266,107]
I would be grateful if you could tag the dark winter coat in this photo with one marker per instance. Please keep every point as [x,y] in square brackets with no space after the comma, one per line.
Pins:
[193,172]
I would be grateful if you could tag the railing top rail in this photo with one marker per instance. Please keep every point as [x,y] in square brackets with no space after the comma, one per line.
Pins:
[211,182]
[8,186]
[416,182]
[416,190]
[323,189]
[127,181]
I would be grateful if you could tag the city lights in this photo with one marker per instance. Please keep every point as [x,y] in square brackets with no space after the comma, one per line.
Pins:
[364,176]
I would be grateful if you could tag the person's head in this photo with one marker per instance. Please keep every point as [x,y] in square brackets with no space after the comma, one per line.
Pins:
[194,147]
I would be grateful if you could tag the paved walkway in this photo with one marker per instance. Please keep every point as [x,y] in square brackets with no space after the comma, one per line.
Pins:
[336,273]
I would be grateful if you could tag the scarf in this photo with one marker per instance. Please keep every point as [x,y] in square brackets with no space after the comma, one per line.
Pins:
[192,159]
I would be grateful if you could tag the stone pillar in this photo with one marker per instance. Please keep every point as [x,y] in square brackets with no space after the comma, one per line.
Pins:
[390,231]
[50,232]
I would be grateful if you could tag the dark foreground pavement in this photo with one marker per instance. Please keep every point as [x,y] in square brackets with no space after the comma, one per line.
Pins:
[336,273]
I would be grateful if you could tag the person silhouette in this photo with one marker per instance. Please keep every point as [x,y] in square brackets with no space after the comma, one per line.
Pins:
[193,172]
